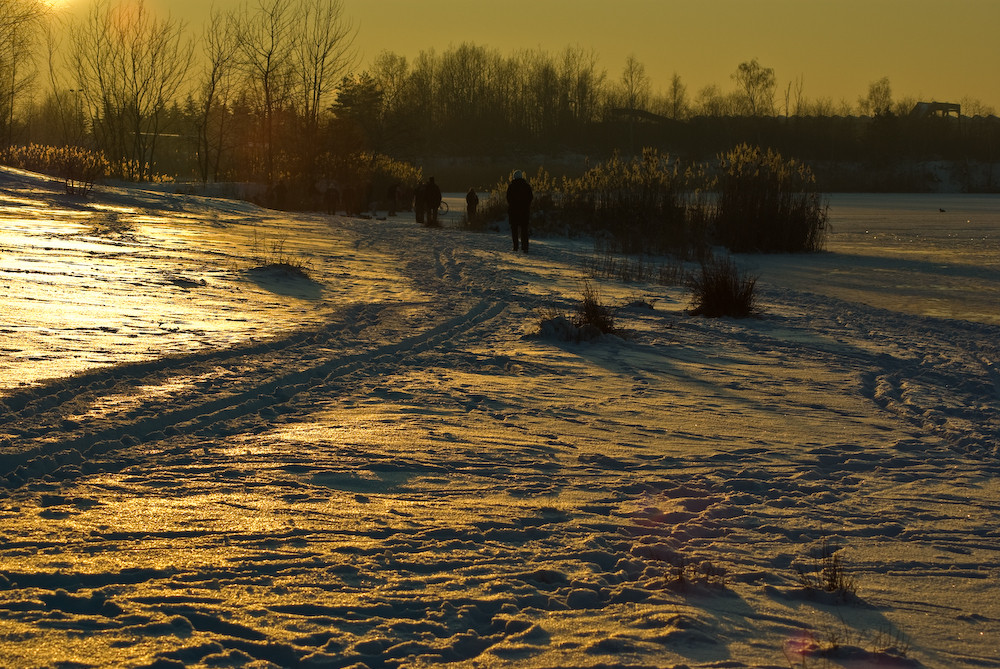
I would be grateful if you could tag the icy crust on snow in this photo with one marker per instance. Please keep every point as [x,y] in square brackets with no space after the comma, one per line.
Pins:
[412,480]
[136,275]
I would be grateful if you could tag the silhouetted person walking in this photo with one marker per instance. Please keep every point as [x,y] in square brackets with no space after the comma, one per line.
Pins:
[519,196]
[420,202]
[471,204]
[280,195]
[332,199]
[433,202]
[392,198]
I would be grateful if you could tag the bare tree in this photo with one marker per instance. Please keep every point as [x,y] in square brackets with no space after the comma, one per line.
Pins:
[583,83]
[975,107]
[290,56]
[634,87]
[461,79]
[504,99]
[267,45]
[20,23]
[756,85]
[793,97]
[677,98]
[820,107]
[878,102]
[904,105]
[324,53]
[68,122]
[128,65]
[420,92]
[712,102]
[391,71]
[214,88]
[634,94]
[541,90]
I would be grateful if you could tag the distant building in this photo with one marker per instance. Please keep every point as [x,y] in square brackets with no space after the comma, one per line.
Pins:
[925,109]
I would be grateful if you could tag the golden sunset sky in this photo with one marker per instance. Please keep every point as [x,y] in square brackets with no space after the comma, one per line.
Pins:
[929,49]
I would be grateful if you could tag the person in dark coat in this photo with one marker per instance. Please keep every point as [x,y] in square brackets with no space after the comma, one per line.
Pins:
[471,204]
[332,199]
[392,198]
[433,202]
[280,195]
[420,202]
[519,196]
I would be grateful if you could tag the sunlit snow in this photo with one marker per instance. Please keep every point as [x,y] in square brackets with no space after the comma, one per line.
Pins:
[385,465]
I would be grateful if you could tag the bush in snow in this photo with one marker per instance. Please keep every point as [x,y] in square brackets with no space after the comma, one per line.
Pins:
[829,575]
[721,289]
[591,312]
[592,319]
[271,256]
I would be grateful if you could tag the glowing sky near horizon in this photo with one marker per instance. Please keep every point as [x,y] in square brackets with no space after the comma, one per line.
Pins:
[929,49]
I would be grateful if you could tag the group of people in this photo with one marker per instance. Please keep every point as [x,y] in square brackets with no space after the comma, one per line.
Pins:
[427,200]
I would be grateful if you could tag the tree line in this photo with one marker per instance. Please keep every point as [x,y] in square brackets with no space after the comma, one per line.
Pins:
[272,91]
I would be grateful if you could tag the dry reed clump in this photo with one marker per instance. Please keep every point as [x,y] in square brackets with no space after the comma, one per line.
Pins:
[270,256]
[592,313]
[642,205]
[591,319]
[721,289]
[829,574]
[766,204]
[753,200]
[79,168]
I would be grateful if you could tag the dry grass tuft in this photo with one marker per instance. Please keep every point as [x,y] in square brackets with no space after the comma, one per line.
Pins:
[720,289]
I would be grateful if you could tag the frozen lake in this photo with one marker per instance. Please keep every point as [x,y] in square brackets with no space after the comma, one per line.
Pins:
[923,254]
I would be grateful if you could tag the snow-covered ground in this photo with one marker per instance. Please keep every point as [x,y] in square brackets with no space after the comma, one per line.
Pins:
[385,466]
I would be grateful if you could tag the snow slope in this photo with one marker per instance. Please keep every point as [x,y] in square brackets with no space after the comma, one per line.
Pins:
[387,466]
